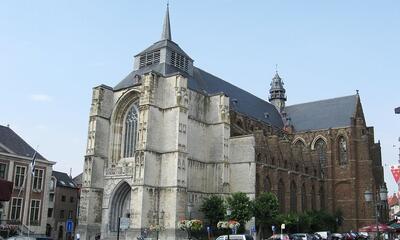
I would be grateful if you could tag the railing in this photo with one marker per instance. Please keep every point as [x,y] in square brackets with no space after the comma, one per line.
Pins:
[118,171]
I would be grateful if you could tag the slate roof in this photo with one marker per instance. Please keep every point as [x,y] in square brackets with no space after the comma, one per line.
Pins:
[324,114]
[165,44]
[14,144]
[206,83]
[63,180]
[78,179]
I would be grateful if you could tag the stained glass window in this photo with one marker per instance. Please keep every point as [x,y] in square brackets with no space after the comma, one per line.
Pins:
[342,151]
[130,131]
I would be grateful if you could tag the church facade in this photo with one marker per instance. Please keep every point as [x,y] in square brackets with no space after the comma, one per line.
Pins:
[170,134]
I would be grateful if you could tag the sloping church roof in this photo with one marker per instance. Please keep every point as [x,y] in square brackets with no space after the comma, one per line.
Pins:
[12,143]
[208,84]
[324,114]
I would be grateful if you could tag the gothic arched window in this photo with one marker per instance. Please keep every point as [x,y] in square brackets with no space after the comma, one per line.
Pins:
[313,198]
[303,198]
[293,197]
[342,151]
[130,131]
[267,185]
[281,196]
[320,147]
[300,145]
[322,197]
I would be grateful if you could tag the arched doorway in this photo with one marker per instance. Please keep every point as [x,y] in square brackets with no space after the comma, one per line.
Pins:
[60,232]
[120,204]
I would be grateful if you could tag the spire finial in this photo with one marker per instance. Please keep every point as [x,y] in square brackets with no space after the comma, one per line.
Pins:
[276,68]
[166,34]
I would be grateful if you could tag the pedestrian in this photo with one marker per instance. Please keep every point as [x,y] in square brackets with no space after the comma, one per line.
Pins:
[78,236]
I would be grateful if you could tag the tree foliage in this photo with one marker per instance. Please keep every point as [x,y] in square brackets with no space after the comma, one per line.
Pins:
[241,208]
[312,221]
[214,209]
[265,210]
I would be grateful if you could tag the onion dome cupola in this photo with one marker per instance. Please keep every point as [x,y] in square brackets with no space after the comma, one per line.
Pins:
[277,93]
[165,55]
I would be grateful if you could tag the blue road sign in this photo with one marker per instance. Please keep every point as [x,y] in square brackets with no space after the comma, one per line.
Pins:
[273,228]
[253,229]
[69,225]
[208,229]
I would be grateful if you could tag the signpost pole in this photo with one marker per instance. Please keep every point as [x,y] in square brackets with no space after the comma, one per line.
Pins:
[119,219]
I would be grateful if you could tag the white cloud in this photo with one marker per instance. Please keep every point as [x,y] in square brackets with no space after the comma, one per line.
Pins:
[41,98]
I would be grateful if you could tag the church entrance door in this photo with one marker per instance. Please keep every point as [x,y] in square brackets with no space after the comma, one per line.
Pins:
[120,204]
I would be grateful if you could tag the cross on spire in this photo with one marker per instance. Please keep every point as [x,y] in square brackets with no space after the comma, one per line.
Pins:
[166,34]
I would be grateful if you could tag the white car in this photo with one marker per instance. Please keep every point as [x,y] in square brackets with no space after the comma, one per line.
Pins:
[235,237]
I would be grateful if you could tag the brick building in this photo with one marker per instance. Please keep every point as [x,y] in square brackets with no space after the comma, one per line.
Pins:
[63,204]
[28,204]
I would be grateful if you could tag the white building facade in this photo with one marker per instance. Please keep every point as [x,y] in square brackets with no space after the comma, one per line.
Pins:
[158,141]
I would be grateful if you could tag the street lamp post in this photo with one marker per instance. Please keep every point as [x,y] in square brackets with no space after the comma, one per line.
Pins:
[228,214]
[380,198]
[189,209]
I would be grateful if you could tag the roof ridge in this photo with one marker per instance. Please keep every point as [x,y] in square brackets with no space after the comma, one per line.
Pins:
[233,85]
[322,100]
[22,140]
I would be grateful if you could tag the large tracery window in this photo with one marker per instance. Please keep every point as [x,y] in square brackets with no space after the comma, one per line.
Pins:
[293,197]
[342,151]
[303,198]
[320,146]
[300,145]
[130,131]
[281,196]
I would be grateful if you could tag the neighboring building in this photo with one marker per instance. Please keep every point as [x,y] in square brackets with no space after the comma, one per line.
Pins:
[394,207]
[63,204]
[170,134]
[28,205]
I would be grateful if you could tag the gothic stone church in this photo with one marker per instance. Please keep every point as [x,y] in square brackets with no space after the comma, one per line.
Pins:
[170,134]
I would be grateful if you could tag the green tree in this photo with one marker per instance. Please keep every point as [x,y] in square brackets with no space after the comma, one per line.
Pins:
[241,209]
[265,210]
[214,209]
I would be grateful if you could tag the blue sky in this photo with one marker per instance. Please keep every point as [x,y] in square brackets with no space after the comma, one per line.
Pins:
[53,52]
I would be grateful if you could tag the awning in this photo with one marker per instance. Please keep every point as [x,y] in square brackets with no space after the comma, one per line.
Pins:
[373,228]
[396,226]
[6,188]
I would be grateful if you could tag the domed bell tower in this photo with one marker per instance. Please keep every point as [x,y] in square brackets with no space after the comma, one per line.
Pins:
[277,93]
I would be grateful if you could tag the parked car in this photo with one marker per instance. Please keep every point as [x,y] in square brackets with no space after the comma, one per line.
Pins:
[337,236]
[236,237]
[303,236]
[280,237]
[325,235]
[32,237]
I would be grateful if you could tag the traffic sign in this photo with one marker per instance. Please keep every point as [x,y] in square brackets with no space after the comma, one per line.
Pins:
[124,223]
[69,225]
[283,226]
[273,228]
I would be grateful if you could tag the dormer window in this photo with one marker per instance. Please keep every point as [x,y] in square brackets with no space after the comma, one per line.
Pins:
[179,61]
[150,58]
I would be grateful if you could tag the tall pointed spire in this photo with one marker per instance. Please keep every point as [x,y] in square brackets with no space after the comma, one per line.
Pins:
[166,34]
